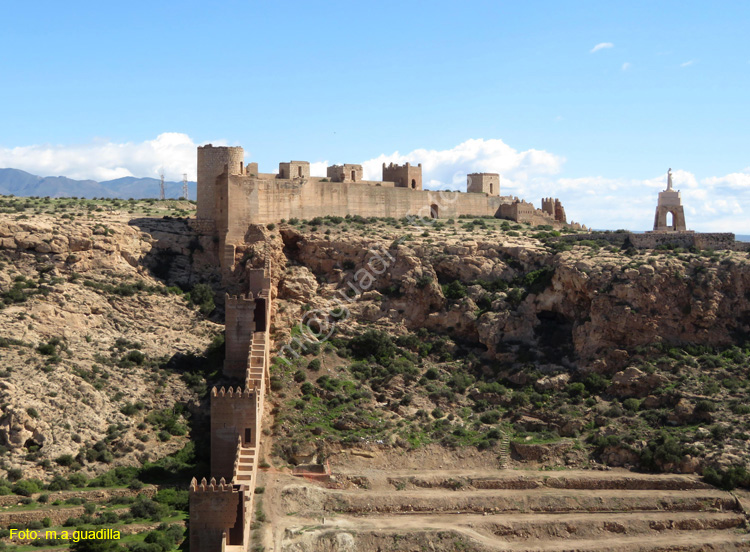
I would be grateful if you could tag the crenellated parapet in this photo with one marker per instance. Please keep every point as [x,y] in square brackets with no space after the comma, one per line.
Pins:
[232,393]
[217,514]
[211,485]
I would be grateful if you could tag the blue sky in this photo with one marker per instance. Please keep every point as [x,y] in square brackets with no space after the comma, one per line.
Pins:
[104,89]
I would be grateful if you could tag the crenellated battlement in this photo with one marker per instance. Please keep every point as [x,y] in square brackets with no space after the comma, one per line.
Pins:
[232,195]
[236,301]
[213,486]
[231,393]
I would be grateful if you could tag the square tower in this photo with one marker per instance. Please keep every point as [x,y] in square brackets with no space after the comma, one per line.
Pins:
[405,176]
[294,169]
[483,183]
[345,173]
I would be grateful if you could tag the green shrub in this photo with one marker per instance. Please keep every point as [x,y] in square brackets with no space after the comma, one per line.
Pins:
[59,483]
[65,460]
[491,417]
[454,291]
[146,508]
[174,498]
[203,296]
[26,487]
[576,389]
[729,479]
[632,404]
[375,343]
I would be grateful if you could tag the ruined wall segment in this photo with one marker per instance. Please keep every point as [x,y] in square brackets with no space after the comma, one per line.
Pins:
[404,176]
[345,173]
[523,211]
[554,208]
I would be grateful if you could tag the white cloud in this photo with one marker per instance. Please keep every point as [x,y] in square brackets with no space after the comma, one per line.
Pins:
[601,46]
[448,168]
[319,168]
[736,181]
[171,152]
[687,63]
[627,65]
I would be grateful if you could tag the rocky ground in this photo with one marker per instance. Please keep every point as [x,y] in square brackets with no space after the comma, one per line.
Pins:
[467,344]
[93,346]
[582,353]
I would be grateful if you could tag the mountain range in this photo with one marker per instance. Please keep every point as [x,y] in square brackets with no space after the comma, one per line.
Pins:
[21,183]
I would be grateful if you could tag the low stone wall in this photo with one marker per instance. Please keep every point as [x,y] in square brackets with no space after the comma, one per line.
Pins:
[56,515]
[711,240]
[686,240]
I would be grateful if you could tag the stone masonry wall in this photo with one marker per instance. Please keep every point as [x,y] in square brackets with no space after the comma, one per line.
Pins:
[232,413]
[263,201]
[239,328]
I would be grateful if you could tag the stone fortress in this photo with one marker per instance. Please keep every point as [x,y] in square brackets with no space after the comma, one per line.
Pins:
[232,195]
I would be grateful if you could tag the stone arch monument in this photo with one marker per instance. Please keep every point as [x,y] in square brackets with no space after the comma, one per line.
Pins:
[670,203]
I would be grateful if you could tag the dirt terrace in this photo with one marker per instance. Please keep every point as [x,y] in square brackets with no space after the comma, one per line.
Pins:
[490,510]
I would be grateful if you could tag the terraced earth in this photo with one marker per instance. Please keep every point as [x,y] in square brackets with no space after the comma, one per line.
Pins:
[513,510]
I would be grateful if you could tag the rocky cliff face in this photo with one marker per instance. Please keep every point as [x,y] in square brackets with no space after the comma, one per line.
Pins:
[594,305]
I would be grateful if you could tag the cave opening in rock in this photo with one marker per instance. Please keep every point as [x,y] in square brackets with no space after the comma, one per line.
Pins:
[554,335]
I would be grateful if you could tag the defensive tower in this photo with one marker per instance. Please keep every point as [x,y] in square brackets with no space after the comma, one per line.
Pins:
[212,162]
[345,173]
[483,183]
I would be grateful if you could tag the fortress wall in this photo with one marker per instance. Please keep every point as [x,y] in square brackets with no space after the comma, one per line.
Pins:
[263,201]
[239,328]
[232,414]
[240,207]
